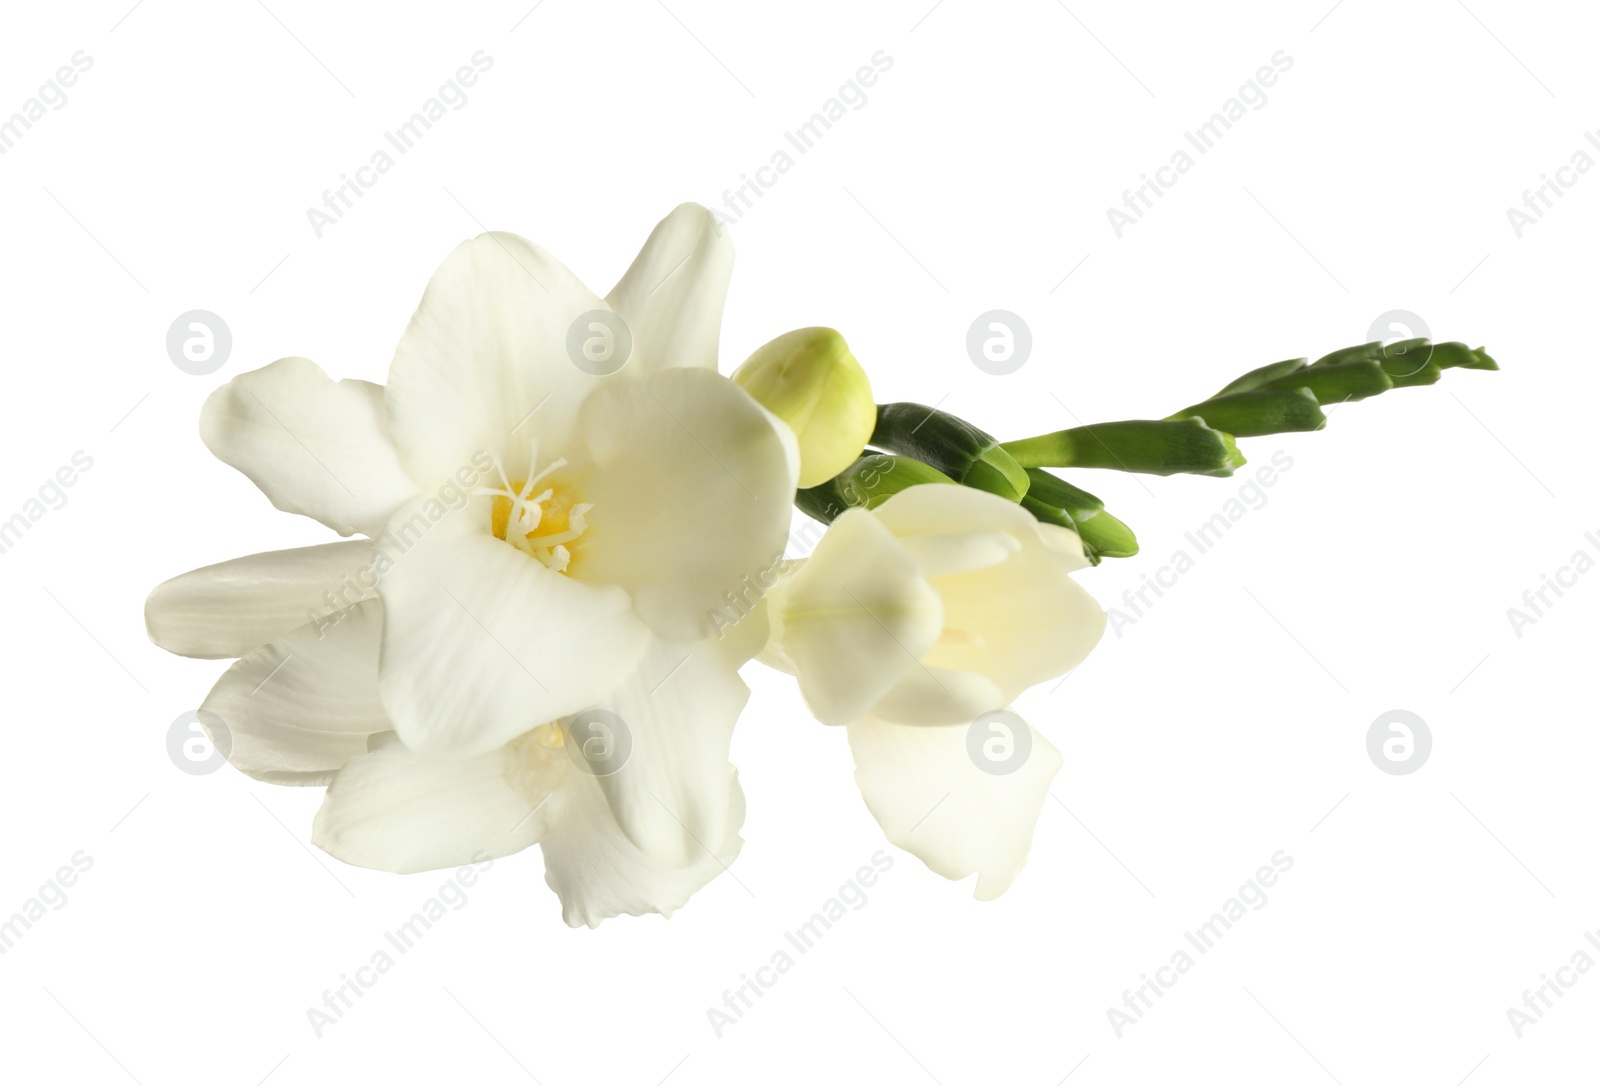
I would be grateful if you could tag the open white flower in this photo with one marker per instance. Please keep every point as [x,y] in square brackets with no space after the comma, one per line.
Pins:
[615,507]
[911,621]
[543,537]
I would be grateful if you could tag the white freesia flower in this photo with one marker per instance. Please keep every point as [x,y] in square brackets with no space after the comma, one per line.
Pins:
[544,541]
[908,623]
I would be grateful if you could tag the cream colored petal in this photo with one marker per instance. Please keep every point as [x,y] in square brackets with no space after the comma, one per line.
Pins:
[672,295]
[676,712]
[943,553]
[938,696]
[298,709]
[313,445]
[236,606]
[1021,622]
[598,873]
[1017,622]
[854,619]
[482,642]
[393,810]
[692,488]
[931,798]
[933,509]
[484,366]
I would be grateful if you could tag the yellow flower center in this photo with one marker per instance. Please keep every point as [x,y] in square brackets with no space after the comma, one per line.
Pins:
[540,516]
[537,762]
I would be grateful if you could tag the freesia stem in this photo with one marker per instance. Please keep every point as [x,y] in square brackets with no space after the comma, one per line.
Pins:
[1284,396]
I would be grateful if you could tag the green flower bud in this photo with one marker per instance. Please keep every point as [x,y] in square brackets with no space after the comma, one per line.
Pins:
[1053,500]
[951,444]
[866,484]
[1163,447]
[810,380]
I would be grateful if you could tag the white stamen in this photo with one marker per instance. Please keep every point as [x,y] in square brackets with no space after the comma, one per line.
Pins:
[559,559]
[527,513]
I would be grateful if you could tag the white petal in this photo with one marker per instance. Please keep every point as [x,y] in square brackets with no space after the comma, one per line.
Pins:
[678,709]
[938,696]
[483,366]
[1022,622]
[239,605]
[672,295]
[744,635]
[854,619]
[959,552]
[932,509]
[791,448]
[932,800]
[599,873]
[313,445]
[1018,622]
[482,643]
[392,810]
[298,709]
[692,488]
[1066,543]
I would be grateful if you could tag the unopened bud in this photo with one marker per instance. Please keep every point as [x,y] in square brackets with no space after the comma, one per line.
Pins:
[810,380]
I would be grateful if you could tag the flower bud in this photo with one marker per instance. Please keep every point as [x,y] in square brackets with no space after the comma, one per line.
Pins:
[938,605]
[867,484]
[810,380]
[953,445]
[1055,501]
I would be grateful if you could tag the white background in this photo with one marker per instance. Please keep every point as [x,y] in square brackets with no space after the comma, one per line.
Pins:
[1225,724]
